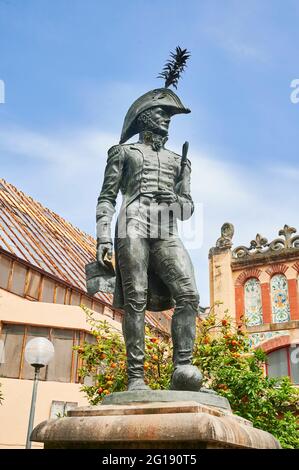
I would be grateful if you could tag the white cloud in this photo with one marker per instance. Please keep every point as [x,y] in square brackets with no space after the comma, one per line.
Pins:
[73,148]
[287,172]
[62,171]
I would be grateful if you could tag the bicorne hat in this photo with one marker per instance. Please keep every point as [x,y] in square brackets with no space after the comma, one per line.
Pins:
[162,97]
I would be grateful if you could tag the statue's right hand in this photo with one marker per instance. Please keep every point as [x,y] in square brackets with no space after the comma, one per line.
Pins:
[104,249]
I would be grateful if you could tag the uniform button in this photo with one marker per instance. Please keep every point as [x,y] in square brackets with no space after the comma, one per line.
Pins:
[144,180]
[169,176]
[168,184]
[146,172]
[144,188]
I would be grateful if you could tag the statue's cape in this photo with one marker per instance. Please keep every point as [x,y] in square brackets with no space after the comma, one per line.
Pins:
[106,279]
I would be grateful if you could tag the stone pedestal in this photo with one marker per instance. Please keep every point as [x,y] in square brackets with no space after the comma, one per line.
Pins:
[152,425]
[166,396]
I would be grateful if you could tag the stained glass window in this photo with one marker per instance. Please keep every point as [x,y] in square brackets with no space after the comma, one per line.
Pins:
[280,299]
[253,302]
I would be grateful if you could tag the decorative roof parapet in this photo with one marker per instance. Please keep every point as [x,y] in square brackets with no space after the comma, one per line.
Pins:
[261,246]
[225,241]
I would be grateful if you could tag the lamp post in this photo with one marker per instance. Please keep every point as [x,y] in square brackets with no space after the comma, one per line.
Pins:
[38,353]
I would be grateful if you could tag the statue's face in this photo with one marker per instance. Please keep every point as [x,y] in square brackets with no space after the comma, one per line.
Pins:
[161,118]
[156,120]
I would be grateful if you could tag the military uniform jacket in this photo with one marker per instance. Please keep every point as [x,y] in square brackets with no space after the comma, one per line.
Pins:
[136,169]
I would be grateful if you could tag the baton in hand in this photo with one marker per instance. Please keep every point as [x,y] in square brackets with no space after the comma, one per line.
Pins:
[184,156]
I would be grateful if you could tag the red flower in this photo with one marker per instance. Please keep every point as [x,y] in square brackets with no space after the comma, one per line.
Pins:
[154,340]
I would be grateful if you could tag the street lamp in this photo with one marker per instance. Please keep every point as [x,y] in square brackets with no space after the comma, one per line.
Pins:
[38,353]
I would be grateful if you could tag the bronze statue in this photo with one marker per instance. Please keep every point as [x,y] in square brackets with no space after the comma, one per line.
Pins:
[152,268]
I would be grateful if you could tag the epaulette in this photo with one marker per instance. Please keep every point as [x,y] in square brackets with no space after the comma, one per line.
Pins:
[115,150]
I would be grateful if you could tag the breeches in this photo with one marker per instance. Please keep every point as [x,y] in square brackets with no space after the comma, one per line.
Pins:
[168,258]
[173,265]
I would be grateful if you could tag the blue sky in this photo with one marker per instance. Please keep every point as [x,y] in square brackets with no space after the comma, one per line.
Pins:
[73,67]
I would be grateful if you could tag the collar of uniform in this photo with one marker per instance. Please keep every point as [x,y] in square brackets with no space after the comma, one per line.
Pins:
[156,141]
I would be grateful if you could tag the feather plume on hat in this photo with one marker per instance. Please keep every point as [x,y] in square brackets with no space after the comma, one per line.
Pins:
[174,67]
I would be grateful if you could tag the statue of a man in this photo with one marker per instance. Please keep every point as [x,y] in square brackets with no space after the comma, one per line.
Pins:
[153,269]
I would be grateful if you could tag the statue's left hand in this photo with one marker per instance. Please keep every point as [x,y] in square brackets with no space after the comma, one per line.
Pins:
[168,197]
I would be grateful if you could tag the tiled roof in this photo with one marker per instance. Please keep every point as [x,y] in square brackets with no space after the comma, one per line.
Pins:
[45,240]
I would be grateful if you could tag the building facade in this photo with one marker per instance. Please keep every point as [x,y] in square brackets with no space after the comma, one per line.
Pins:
[258,285]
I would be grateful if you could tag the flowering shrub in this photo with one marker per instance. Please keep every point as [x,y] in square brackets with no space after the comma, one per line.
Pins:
[230,366]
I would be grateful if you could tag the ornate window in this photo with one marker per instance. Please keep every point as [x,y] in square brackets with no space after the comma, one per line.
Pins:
[253,302]
[280,299]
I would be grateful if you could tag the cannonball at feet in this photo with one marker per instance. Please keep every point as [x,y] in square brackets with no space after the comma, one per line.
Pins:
[186,377]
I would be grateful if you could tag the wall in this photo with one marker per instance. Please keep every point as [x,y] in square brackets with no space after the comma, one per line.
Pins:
[14,412]
[221,284]
[18,310]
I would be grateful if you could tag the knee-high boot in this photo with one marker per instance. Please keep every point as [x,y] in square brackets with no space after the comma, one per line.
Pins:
[133,331]
[183,329]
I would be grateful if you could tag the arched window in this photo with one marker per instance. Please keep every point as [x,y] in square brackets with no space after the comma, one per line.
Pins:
[284,362]
[280,299]
[253,302]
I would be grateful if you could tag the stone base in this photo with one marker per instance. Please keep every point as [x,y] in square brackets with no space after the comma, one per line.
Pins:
[158,425]
[166,396]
